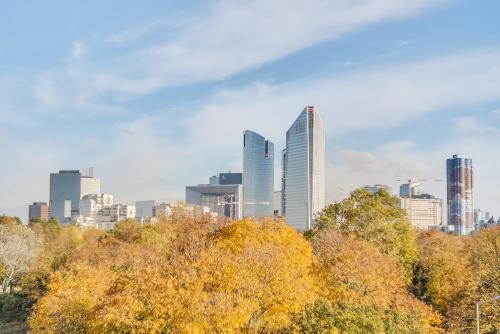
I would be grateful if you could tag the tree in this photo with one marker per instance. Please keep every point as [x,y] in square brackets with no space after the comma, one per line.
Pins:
[375,218]
[442,273]
[484,262]
[362,291]
[6,220]
[18,249]
[187,276]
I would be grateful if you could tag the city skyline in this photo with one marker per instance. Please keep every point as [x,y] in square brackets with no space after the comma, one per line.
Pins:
[158,98]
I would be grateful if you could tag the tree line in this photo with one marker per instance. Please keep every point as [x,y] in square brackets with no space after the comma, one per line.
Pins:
[361,269]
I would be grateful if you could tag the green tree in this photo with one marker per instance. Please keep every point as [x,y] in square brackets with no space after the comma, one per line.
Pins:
[375,218]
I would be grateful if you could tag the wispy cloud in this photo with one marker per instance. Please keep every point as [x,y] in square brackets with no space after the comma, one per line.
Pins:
[220,40]
[473,126]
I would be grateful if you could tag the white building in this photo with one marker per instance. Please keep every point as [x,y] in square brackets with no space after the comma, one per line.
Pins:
[182,209]
[425,212]
[304,170]
[98,211]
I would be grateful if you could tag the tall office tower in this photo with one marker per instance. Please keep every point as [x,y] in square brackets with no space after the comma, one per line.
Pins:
[39,211]
[459,177]
[66,189]
[258,175]
[304,169]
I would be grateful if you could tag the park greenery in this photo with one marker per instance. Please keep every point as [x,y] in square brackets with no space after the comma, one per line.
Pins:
[361,269]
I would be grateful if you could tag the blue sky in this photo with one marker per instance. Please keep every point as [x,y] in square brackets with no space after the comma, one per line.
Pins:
[155,95]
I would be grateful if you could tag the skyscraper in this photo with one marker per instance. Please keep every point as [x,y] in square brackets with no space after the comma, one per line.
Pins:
[459,177]
[258,175]
[66,189]
[304,169]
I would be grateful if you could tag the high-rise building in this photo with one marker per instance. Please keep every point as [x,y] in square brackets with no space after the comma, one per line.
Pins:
[66,189]
[224,199]
[459,175]
[373,189]
[258,175]
[38,211]
[424,211]
[304,169]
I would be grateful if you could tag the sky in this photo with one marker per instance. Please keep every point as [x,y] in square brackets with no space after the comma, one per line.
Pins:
[155,95]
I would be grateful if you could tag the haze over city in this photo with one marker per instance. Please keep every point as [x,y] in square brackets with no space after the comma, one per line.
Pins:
[158,97]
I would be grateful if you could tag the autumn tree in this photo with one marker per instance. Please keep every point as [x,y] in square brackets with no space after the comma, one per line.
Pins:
[186,277]
[362,291]
[18,249]
[483,257]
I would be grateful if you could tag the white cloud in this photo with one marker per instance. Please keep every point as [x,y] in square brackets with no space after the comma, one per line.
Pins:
[371,99]
[76,49]
[225,38]
[473,126]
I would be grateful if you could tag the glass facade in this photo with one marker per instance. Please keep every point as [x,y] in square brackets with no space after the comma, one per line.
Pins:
[304,169]
[258,175]
[459,176]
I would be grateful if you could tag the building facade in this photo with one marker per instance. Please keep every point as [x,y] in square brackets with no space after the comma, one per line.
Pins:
[67,187]
[38,211]
[99,211]
[258,175]
[424,212]
[304,169]
[224,199]
[410,189]
[460,197]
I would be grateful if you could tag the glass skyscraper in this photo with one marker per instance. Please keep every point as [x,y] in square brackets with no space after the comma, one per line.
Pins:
[258,175]
[459,176]
[304,170]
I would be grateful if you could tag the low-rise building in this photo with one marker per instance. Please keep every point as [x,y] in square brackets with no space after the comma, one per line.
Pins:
[99,211]
[183,210]
[221,197]
[38,211]
[424,211]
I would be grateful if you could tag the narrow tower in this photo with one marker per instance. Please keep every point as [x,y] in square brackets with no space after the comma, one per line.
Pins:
[460,198]
[304,169]
[258,175]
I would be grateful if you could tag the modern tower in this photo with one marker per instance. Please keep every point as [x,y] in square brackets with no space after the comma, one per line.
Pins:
[258,175]
[304,170]
[67,189]
[459,176]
